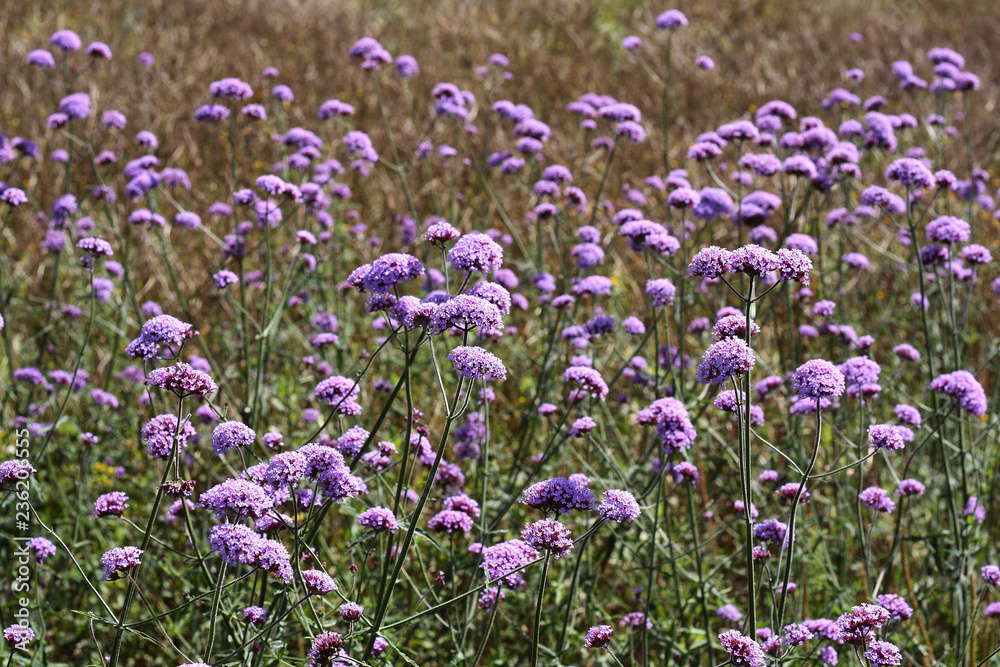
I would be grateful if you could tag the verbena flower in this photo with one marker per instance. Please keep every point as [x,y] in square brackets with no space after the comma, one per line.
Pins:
[110,504]
[910,487]
[18,637]
[742,650]
[881,653]
[548,535]
[559,494]
[598,636]
[317,582]
[325,649]
[725,359]
[857,627]
[450,521]
[257,616]
[963,386]
[160,331]
[476,252]
[877,499]
[230,435]
[118,561]
[500,561]
[182,380]
[475,363]
[588,379]
[340,393]
[465,312]
[895,605]
[378,519]
[238,497]
[41,548]
[159,432]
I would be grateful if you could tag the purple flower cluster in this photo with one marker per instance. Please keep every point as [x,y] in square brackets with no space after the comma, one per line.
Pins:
[161,331]
[559,494]
[475,363]
[963,386]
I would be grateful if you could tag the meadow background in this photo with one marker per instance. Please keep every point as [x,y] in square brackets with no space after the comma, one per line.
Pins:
[681,562]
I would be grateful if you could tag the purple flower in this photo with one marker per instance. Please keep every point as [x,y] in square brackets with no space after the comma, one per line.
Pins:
[881,653]
[340,393]
[118,561]
[704,62]
[110,504]
[406,66]
[465,312]
[588,379]
[318,582]
[742,650]
[237,496]
[619,505]
[948,229]
[885,436]
[729,613]
[990,574]
[858,626]
[230,435]
[963,386]
[235,543]
[13,196]
[500,561]
[211,113]
[733,325]
[796,634]
[182,380]
[325,649]
[910,172]
[896,606]
[877,499]
[14,471]
[672,422]
[41,58]
[450,521]
[559,494]
[390,270]
[910,487]
[41,547]
[976,254]
[378,519]
[670,19]
[906,351]
[712,204]
[476,252]
[582,426]
[475,363]
[598,636]
[18,637]
[661,292]
[861,376]
[255,615]
[548,535]
[162,330]
[232,88]
[75,106]
[772,531]
[725,359]
[66,40]
[710,262]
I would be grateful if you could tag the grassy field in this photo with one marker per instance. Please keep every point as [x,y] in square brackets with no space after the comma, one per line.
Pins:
[397,399]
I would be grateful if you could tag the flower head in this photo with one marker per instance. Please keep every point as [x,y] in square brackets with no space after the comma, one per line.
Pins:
[598,636]
[118,561]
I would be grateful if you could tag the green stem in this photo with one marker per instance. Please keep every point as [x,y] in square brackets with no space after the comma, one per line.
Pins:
[536,630]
